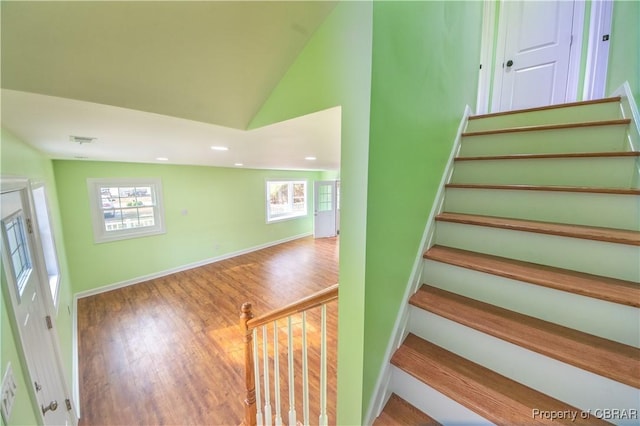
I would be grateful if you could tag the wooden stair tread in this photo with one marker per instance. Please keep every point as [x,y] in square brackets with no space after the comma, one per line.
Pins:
[575,231]
[554,188]
[547,107]
[612,154]
[604,357]
[491,395]
[534,128]
[398,412]
[604,288]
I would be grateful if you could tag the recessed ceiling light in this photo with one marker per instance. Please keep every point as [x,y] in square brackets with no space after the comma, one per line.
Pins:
[310,158]
[162,159]
[220,148]
[238,164]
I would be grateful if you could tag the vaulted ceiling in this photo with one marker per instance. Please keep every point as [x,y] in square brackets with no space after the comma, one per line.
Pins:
[207,62]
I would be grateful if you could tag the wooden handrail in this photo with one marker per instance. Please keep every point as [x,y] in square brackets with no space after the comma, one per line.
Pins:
[248,323]
[316,299]
[250,400]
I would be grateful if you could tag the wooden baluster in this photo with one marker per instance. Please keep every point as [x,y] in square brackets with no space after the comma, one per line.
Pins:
[250,400]
[276,373]
[323,420]
[256,366]
[265,359]
[292,395]
[305,372]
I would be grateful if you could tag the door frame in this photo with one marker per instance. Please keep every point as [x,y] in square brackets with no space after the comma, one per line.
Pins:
[597,57]
[334,203]
[11,184]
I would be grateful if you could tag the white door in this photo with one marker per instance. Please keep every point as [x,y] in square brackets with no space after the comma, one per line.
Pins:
[24,285]
[325,204]
[533,68]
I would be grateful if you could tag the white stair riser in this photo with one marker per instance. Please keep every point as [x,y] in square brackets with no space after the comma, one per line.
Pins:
[575,114]
[594,316]
[586,139]
[577,387]
[579,208]
[606,172]
[440,407]
[593,257]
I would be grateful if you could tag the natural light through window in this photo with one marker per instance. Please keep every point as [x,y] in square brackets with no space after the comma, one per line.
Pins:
[286,199]
[47,241]
[125,208]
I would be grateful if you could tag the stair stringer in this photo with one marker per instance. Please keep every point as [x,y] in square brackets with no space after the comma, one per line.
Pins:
[381,392]
[630,110]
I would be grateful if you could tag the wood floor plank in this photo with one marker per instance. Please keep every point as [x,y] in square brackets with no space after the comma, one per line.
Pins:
[169,351]
[555,188]
[398,412]
[491,395]
[624,121]
[604,357]
[546,107]
[616,154]
[574,231]
[604,288]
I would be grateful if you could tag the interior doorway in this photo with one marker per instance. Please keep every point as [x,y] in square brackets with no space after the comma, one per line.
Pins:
[532,52]
[326,208]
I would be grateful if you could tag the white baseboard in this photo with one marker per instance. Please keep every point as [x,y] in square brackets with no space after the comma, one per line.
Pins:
[186,267]
[74,340]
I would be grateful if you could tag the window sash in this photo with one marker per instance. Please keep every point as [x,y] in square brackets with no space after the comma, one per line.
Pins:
[286,199]
[126,208]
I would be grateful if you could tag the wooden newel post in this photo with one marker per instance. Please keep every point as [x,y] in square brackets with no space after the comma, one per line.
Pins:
[250,401]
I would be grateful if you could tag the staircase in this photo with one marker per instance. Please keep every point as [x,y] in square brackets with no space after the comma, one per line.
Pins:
[530,296]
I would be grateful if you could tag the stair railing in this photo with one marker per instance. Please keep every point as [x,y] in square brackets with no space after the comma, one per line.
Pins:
[258,408]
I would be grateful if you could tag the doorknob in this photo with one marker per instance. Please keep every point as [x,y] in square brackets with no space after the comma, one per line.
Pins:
[53,406]
[509,63]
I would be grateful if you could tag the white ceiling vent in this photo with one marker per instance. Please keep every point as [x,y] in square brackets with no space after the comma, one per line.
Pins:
[81,139]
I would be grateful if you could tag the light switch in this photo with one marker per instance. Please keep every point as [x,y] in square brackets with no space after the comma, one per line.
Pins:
[8,393]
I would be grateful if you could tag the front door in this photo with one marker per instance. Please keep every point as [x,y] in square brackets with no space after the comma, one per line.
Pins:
[23,284]
[325,204]
[532,69]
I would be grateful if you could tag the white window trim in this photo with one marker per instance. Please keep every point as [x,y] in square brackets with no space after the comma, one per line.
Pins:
[290,216]
[50,261]
[100,235]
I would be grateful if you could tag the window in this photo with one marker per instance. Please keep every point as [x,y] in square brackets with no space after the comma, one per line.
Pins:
[286,199]
[16,241]
[125,208]
[47,241]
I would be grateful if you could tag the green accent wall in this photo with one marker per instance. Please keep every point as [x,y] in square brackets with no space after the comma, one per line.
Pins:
[209,212]
[423,73]
[21,160]
[425,69]
[335,69]
[624,51]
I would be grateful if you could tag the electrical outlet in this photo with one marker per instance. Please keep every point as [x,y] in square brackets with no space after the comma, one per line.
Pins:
[8,393]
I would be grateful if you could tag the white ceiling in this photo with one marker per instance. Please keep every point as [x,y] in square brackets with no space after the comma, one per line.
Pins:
[134,136]
[161,79]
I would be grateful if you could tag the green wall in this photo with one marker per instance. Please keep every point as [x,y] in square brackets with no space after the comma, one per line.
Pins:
[225,213]
[21,160]
[424,72]
[425,68]
[335,69]
[624,51]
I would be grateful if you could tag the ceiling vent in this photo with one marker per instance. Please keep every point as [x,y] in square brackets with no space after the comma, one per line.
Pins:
[81,139]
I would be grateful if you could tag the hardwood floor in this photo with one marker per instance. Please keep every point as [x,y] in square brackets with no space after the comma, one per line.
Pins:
[169,350]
